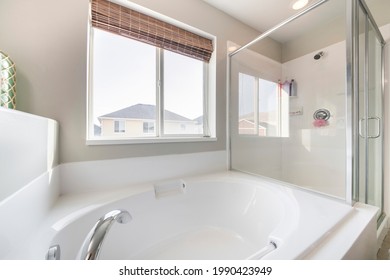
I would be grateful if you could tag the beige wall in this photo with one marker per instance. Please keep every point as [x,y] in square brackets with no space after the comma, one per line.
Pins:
[48,41]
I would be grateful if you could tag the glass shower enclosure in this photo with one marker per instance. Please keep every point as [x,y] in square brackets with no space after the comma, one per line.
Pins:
[305,102]
[367,61]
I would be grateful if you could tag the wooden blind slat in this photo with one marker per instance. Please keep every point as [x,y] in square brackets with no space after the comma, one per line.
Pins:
[126,22]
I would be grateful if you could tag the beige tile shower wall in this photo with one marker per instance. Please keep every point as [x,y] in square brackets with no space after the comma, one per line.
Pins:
[314,157]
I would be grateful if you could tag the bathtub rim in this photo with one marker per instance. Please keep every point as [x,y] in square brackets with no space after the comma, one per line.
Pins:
[278,236]
[234,179]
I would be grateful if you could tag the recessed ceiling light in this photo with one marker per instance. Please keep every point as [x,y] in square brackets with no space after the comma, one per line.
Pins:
[299,4]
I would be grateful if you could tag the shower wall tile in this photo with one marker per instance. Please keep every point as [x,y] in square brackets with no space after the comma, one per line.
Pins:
[314,157]
[258,156]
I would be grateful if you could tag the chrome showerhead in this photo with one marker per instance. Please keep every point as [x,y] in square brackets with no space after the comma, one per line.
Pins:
[319,55]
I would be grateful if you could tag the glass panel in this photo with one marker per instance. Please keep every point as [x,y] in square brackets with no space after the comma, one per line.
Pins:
[183,94]
[370,115]
[362,125]
[124,74]
[274,108]
[247,92]
[375,116]
[302,150]
[269,108]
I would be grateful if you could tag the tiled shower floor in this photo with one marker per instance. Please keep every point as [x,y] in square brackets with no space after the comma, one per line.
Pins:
[384,251]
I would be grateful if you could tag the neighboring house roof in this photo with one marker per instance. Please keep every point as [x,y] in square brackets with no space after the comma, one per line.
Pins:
[270,117]
[143,112]
[198,120]
[250,124]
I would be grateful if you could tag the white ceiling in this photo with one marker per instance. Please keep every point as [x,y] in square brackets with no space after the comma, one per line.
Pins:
[264,14]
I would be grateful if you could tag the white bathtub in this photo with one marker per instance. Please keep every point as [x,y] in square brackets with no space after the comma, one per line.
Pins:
[227,215]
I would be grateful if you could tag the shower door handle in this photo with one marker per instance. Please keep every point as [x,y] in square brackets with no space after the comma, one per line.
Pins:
[378,127]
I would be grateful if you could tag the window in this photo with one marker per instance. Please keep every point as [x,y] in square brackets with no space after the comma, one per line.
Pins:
[263,107]
[148,127]
[119,126]
[157,91]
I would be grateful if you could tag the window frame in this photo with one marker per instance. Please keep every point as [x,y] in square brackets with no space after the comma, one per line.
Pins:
[209,77]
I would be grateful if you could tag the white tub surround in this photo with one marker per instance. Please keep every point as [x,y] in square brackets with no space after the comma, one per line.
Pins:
[226,215]
[118,173]
[28,148]
[29,184]
[355,238]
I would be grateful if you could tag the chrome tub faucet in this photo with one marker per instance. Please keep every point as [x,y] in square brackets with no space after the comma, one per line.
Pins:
[93,242]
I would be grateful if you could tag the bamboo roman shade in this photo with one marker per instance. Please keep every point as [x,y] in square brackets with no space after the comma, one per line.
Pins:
[135,25]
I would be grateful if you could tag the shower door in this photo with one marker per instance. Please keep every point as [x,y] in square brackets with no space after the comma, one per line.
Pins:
[370,113]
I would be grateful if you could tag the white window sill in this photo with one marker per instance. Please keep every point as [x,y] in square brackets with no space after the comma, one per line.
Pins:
[102,141]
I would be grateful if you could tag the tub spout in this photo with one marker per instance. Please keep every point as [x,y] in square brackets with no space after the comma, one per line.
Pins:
[93,242]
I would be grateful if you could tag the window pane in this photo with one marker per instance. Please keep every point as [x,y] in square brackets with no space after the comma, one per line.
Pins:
[183,94]
[148,128]
[119,126]
[246,110]
[123,84]
[269,112]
